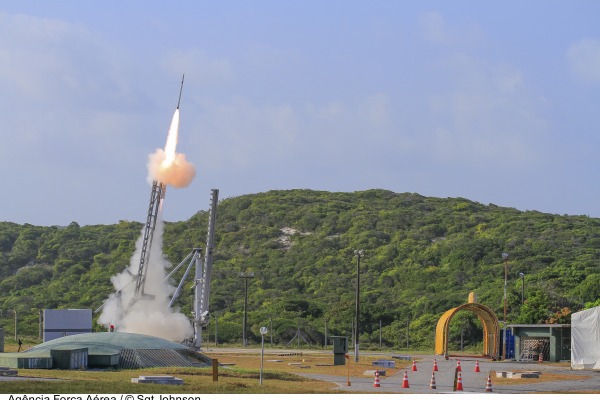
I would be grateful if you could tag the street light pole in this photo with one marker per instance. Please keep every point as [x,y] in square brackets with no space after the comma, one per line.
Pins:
[522,275]
[358,254]
[246,276]
[263,332]
[505,258]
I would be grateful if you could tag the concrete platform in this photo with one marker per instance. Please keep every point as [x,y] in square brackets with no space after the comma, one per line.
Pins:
[518,374]
[161,380]
[372,372]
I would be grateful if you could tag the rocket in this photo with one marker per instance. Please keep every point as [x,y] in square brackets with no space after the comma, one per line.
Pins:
[180,90]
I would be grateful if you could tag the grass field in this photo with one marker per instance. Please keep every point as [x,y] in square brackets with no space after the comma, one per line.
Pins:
[238,374]
[240,377]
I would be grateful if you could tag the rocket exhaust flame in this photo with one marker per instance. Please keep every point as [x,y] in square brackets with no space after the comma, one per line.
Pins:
[166,165]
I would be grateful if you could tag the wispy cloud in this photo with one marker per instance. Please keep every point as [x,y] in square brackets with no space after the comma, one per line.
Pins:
[584,60]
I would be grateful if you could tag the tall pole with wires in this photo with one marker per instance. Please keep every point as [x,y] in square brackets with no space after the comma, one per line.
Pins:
[359,254]
[505,258]
[245,276]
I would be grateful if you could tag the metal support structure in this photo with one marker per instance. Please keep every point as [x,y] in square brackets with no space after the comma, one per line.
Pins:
[157,194]
[200,314]
[358,254]
[194,255]
[203,278]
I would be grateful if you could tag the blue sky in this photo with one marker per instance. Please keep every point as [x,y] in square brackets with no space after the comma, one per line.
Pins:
[497,102]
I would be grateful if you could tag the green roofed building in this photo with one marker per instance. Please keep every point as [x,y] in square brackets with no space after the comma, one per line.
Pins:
[106,350]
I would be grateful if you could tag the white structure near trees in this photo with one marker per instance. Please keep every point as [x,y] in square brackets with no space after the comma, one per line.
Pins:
[585,339]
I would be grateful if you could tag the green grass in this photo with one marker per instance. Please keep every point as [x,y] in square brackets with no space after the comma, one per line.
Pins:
[196,380]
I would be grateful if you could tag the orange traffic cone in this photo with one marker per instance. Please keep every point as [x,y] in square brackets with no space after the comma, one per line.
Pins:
[477,366]
[414,367]
[435,367]
[432,383]
[458,366]
[376,383]
[459,385]
[405,381]
[488,385]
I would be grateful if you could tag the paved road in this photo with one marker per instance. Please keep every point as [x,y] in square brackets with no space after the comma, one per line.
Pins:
[419,381]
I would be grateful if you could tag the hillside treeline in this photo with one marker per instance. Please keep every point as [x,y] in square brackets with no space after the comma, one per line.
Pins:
[423,255]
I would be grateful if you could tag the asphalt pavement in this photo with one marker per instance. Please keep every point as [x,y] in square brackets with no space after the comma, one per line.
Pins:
[473,382]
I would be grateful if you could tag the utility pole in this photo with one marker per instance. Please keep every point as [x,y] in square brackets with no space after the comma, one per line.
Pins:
[505,258]
[40,324]
[15,311]
[245,276]
[216,329]
[298,334]
[358,254]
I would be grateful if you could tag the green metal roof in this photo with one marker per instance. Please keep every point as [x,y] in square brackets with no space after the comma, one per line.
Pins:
[106,343]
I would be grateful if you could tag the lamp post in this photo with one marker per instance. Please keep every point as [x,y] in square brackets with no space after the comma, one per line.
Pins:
[505,258]
[358,254]
[522,275]
[246,276]
[263,332]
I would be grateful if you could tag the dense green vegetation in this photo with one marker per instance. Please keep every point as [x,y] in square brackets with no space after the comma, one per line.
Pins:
[423,255]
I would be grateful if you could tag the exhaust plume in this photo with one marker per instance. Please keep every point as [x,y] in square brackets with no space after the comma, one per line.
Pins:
[151,314]
[166,165]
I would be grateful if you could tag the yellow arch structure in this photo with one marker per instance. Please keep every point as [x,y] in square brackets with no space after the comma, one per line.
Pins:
[489,320]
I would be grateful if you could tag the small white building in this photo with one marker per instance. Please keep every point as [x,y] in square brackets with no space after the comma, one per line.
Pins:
[59,323]
[585,339]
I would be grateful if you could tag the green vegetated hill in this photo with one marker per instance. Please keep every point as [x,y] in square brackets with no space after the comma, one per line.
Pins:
[423,255]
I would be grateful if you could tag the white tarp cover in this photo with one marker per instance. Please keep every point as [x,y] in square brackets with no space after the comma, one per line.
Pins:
[585,339]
